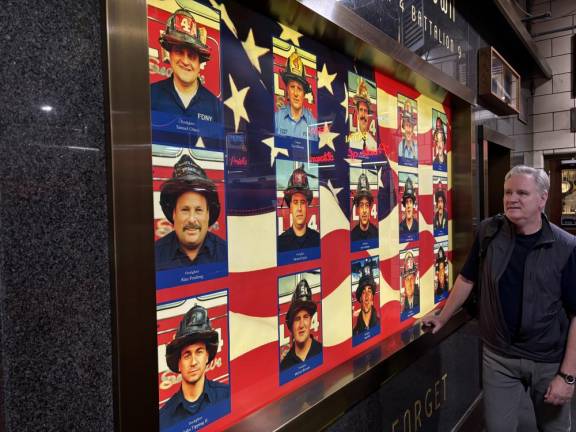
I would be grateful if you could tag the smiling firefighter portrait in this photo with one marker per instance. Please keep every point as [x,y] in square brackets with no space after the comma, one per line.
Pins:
[190,202]
[189,354]
[184,93]
[299,322]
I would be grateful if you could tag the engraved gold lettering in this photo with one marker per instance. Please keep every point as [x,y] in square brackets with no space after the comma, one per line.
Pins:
[428,409]
[436,394]
[417,411]
[407,417]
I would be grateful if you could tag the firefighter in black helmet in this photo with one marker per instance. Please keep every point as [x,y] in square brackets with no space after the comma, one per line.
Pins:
[409,224]
[190,202]
[365,292]
[183,93]
[299,322]
[440,222]
[410,284]
[363,201]
[441,273]
[298,197]
[192,349]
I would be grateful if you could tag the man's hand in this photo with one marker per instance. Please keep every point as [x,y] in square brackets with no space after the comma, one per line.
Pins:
[432,322]
[558,392]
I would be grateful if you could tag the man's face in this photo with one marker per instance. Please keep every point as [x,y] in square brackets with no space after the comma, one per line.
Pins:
[408,129]
[298,210]
[439,139]
[523,202]
[185,64]
[191,216]
[441,274]
[363,116]
[409,285]
[409,208]
[440,205]
[295,95]
[301,326]
[363,210]
[193,362]
[367,299]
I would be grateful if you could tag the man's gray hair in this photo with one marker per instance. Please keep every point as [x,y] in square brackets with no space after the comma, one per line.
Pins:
[539,175]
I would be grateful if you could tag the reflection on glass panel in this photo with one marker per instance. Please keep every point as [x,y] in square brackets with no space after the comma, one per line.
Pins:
[568,217]
[435,32]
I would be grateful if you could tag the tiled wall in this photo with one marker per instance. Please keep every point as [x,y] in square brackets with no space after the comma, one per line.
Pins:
[552,99]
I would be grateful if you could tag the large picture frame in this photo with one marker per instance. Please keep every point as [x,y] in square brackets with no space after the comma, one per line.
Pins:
[132,185]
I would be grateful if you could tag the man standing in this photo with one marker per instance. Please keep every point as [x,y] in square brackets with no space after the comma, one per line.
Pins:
[524,268]
[440,216]
[409,225]
[411,288]
[294,119]
[183,93]
[362,139]
[299,322]
[441,280]
[189,354]
[408,147]
[368,318]
[363,201]
[190,202]
[298,196]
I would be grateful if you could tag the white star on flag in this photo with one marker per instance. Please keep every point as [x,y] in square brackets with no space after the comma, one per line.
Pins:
[274,151]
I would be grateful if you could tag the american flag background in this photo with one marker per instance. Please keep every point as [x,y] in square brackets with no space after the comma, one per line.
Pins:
[244,304]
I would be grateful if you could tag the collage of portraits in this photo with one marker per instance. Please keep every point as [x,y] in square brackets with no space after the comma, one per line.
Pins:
[301,208]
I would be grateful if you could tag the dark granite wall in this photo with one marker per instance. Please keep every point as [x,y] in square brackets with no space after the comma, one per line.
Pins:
[55,313]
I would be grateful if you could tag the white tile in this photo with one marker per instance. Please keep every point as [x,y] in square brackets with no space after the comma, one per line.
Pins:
[553,140]
[567,150]
[542,122]
[552,103]
[523,142]
[562,7]
[561,45]
[562,120]
[550,25]
[561,83]
[560,64]
[542,86]
[544,47]
[505,126]
[538,159]
[550,35]
[540,8]
[526,101]
[521,128]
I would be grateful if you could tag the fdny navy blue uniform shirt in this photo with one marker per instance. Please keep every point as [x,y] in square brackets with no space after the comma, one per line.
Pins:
[178,409]
[204,105]
[288,240]
[169,255]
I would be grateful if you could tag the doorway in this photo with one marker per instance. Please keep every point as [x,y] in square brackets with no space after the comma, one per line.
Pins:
[495,163]
[560,207]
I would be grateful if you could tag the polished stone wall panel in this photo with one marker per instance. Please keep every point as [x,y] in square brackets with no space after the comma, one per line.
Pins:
[55,292]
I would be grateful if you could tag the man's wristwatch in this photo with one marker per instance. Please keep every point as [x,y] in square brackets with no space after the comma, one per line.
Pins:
[569,379]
